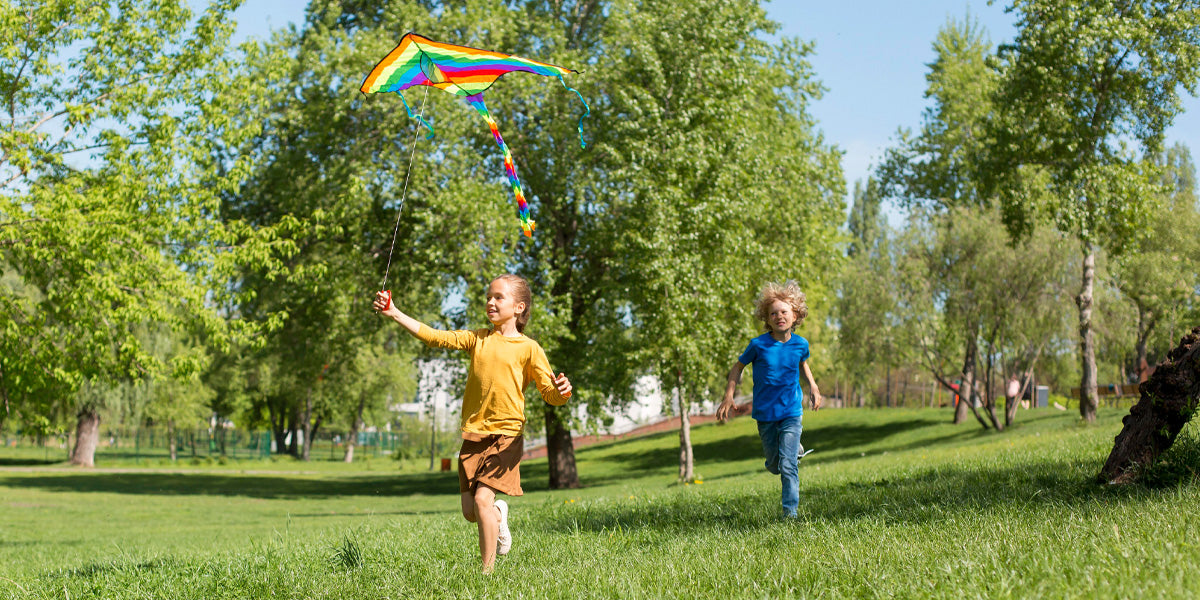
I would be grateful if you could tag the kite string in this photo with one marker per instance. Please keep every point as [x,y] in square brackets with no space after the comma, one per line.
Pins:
[404,193]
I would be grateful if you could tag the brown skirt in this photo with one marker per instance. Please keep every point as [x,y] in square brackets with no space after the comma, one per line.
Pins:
[491,460]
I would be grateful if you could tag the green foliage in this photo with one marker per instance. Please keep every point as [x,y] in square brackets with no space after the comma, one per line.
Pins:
[961,277]
[866,224]
[725,185]
[1161,278]
[939,166]
[702,135]
[967,297]
[109,194]
[1179,466]
[867,310]
[1081,81]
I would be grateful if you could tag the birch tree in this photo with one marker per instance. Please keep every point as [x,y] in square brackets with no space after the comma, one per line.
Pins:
[1082,81]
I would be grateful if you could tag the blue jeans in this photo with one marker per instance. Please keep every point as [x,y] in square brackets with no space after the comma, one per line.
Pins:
[781,443]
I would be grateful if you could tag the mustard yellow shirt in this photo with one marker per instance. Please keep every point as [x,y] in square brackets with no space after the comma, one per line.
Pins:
[501,367]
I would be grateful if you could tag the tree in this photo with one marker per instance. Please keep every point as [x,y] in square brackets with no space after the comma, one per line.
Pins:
[698,232]
[937,171]
[866,305]
[1160,277]
[375,375]
[1167,402]
[330,177]
[1082,79]
[108,192]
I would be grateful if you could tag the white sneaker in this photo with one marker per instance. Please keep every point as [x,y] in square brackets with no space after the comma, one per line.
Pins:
[802,453]
[504,540]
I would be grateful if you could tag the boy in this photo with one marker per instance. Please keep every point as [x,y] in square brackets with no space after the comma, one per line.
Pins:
[778,357]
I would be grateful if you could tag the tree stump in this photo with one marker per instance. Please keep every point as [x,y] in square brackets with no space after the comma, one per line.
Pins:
[1167,402]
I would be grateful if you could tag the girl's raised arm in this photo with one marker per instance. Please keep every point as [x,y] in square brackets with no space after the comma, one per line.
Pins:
[383,304]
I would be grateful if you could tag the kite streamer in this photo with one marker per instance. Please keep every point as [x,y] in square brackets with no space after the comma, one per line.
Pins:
[462,71]
[510,168]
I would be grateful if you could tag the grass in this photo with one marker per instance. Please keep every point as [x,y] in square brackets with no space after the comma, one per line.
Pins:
[894,503]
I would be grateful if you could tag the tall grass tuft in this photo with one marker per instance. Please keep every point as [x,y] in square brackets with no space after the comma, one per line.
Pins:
[348,555]
[1179,465]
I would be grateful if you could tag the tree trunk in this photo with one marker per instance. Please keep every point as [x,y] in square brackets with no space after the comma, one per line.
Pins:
[989,392]
[433,439]
[310,433]
[171,439]
[1088,397]
[686,464]
[1167,402]
[1012,400]
[560,452]
[1146,323]
[294,429]
[993,417]
[219,435]
[87,436]
[971,396]
[967,385]
[352,437]
[279,431]
[887,387]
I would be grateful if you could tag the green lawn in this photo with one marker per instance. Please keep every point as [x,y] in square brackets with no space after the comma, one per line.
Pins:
[895,503]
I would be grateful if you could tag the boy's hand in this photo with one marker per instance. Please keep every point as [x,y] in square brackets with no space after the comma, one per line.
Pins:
[564,385]
[724,410]
[816,399]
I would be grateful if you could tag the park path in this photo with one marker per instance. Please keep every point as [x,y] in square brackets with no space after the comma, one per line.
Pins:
[69,469]
[667,424]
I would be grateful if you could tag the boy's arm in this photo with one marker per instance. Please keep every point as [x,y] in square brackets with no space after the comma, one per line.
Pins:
[812,387]
[735,377]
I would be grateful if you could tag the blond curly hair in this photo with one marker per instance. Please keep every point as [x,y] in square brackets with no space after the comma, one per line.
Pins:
[789,292]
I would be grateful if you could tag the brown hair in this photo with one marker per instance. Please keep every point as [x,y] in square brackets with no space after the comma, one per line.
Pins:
[788,292]
[521,293]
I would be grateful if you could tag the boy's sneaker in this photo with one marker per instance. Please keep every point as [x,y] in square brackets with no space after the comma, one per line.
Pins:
[504,540]
[802,453]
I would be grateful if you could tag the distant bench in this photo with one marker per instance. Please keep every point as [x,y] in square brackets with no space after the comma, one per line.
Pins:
[1112,389]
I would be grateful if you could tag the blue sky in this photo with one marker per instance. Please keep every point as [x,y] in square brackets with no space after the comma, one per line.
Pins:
[870,55]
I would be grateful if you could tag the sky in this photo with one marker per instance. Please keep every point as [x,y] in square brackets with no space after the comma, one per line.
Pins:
[871,56]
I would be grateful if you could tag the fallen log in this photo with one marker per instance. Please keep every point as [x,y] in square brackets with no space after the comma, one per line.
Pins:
[1167,402]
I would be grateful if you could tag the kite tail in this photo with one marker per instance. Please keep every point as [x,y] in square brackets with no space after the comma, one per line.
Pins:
[419,118]
[586,108]
[510,167]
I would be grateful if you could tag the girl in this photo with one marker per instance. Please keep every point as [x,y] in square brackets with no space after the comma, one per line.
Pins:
[503,363]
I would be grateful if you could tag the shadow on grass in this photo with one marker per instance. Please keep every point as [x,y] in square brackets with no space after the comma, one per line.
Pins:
[28,462]
[252,486]
[635,465]
[932,496]
[96,569]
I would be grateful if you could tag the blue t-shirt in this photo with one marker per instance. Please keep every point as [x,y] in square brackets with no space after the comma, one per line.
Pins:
[777,393]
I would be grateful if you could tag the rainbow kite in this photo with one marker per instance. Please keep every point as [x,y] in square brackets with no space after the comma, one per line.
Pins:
[461,71]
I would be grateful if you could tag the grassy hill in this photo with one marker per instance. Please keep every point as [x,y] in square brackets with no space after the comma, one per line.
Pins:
[894,503]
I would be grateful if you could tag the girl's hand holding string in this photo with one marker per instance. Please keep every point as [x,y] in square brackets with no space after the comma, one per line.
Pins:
[383,302]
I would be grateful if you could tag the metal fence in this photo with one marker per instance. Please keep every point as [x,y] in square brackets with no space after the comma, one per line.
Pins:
[154,443]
